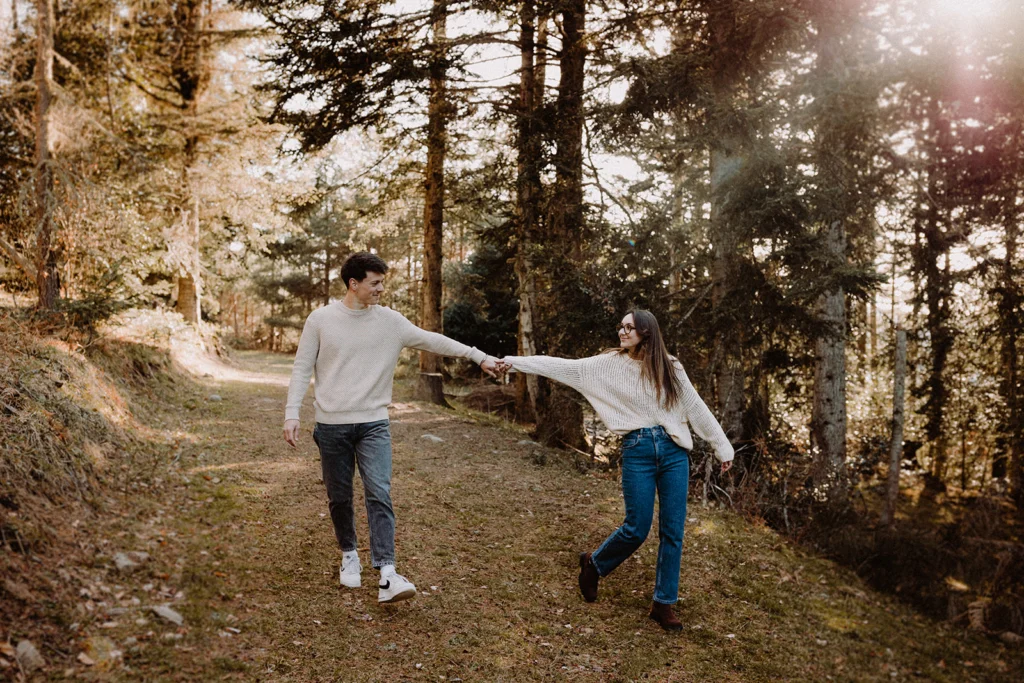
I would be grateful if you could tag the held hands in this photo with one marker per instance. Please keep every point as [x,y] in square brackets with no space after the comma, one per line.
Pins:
[494,367]
[490,366]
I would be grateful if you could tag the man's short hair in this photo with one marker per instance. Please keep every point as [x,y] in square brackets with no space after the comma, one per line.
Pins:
[359,264]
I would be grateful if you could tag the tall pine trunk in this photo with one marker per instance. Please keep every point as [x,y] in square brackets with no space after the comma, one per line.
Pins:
[899,380]
[828,413]
[47,273]
[835,191]
[528,194]
[932,256]
[431,385]
[560,423]
[189,292]
[726,161]
[189,71]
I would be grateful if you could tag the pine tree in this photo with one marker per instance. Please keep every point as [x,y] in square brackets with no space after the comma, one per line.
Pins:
[367,65]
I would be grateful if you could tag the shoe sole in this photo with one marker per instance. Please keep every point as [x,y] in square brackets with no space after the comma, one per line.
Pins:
[358,582]
[398,597]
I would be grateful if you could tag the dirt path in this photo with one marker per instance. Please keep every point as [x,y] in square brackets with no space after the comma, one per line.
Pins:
[242,547]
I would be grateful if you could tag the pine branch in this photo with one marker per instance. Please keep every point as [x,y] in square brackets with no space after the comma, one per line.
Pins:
[20,260]
[144,87]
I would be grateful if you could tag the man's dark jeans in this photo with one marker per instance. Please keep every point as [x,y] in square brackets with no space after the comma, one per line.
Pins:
[367,445]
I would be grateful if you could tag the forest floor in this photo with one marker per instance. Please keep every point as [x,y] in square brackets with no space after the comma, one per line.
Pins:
[489,527]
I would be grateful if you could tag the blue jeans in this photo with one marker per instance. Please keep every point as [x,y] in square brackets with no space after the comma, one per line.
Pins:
[367,445]
[651,462]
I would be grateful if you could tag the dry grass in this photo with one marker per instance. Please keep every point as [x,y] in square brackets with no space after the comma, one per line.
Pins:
[241,546]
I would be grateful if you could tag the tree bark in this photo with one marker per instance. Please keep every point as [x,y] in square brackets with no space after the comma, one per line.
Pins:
[190,76]
[872,331]
[47,272]
[560,423]
[933,250]
[899,381]
[728,353]
[528,193]
[836,192]
[327,272]
[828,415]
[431,386]
[189,282]
[726,160]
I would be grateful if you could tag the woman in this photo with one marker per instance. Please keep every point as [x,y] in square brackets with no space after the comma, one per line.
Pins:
[641,393]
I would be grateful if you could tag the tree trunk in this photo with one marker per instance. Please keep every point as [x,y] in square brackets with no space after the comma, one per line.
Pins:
[560,422]
[836,191]
[728,353]
[189,282]
[431,386]
[190,76]
[872,331]
[1010,317]
[47,273]
[828,414]
[188,298]
[327,273]
[726,160]
[933,247]
[528,193]
[899,381]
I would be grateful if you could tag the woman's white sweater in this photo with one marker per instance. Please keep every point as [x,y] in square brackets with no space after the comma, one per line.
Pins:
[625,401]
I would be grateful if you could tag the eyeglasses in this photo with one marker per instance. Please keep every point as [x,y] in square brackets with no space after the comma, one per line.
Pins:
[628,329]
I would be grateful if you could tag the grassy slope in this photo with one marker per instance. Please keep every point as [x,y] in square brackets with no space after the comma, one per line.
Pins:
[241,546]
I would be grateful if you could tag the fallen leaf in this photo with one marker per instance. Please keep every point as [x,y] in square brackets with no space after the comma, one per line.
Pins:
[85,659]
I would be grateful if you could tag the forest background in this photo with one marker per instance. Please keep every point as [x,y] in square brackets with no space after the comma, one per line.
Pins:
[820,200]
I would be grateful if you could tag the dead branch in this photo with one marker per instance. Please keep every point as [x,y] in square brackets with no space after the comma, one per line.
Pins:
[20,260]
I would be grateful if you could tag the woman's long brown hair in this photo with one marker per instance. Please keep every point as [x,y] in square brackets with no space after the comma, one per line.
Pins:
[657,365]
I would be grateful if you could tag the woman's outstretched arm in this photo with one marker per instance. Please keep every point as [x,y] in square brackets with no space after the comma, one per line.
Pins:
[568,371]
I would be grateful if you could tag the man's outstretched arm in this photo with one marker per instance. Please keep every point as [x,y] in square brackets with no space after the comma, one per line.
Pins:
[422,340]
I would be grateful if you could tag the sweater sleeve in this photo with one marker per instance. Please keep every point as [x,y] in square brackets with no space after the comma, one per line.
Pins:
[418,338]
[565,370]
[703,421]
[302,369]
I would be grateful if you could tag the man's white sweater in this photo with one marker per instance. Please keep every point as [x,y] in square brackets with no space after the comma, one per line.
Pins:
[353,355]
[625,401]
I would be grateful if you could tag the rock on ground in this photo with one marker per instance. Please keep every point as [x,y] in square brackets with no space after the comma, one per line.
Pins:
[165,612]
[28,656]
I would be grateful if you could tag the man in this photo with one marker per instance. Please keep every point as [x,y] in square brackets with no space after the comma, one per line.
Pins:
[353,347]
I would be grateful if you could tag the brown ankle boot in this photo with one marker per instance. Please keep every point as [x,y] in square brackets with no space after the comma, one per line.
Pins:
[665,617]
[588,578]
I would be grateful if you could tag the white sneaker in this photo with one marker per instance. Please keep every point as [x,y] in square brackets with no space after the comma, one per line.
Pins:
[394,587]
[349,573]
